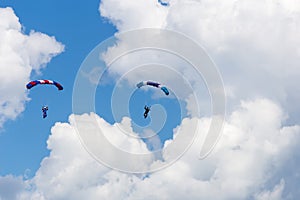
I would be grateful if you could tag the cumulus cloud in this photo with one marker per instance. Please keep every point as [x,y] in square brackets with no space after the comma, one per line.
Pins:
[20,56]
[251,151]
[256,157]
[11,187]
[275,194]
[247,163]
[256,47]
[128,15]
[254,43]
[70,172]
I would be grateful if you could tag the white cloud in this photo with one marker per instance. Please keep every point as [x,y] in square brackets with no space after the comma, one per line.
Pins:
[128,15]
[71,173]
[246,157]
[20,55]
[256,47]
[275,194]
[249,155]
[11,187]
[254,43]
[257,156]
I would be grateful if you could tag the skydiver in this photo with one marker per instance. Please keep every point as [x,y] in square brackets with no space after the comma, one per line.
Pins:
[147,109]
[44,109]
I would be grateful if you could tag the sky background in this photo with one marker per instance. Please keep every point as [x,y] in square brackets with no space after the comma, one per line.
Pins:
[33,143]
[255,46]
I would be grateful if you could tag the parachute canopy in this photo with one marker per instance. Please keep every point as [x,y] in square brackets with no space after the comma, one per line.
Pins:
[153,84]
[163,2]
[37,82]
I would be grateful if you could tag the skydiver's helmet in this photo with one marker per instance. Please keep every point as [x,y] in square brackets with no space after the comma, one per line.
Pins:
[45,108]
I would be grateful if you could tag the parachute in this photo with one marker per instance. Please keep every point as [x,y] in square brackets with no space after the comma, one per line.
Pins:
[153,84]
[43,82]
[37,82]
[163,3]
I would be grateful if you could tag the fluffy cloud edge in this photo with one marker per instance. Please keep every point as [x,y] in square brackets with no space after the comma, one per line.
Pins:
[20,56]
[246,158]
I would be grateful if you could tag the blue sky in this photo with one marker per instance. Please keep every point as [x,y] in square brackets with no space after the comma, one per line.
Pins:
[80,33]
[77,154]
[23,141]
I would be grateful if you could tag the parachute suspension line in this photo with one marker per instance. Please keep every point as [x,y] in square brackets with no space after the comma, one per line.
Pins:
[43,99]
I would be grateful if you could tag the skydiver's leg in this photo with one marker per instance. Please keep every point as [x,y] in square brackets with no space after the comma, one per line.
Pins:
[44,113]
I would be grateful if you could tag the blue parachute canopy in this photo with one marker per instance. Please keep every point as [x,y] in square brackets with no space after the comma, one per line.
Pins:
[153,84]
[165,90]
[163,3]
